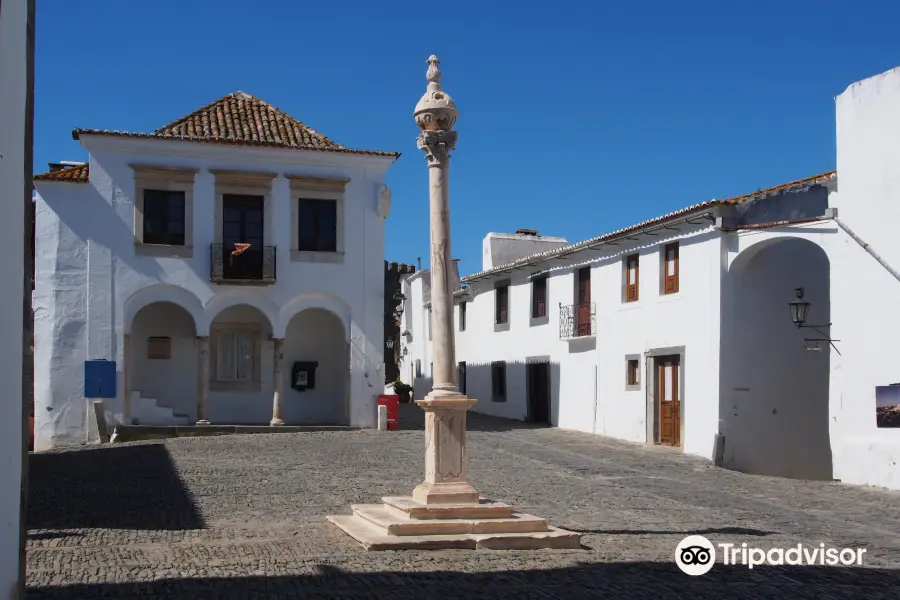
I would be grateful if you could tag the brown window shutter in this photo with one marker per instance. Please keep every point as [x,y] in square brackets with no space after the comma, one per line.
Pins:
[671,268]
[632,275]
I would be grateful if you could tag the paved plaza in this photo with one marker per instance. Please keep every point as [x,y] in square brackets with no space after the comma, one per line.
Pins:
[243,516]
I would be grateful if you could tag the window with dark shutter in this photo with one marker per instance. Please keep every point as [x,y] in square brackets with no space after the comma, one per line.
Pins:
[462,316]
[317,227]
[670,272]
[164,217]
[632,277]
[502,308]
[539,298]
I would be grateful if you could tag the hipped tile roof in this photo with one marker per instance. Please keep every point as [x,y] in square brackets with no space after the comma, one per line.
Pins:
[75,174]
[796,185]
[240,118]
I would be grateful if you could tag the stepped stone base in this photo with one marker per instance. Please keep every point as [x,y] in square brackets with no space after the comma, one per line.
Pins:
[402,523]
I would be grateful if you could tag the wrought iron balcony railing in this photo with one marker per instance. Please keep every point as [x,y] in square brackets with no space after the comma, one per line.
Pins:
[250,265]
[577,320]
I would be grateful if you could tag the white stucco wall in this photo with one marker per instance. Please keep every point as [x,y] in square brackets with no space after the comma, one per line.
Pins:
[90,282]
[687,319]
[417,288]
[775,394]
[865,295]
[13,96]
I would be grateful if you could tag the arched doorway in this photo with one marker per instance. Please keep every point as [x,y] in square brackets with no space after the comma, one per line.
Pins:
[316,335]
[241,363]
[775,406]
[163,370]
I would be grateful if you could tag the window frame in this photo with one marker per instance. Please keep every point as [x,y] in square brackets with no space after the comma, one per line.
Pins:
[304,187]
[254,384]
[498,381]
[505,287]
[671,284]
[540,319]
[633,360]
[165,197]
[164,179]
[462,316]
[316,204]
[632,290]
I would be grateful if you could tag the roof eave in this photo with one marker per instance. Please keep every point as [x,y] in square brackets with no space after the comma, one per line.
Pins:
[703,210]
[78,132]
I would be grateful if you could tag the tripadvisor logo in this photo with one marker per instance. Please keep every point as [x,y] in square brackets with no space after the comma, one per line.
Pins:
[696,555]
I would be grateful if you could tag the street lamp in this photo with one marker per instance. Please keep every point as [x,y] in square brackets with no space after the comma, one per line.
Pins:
[799,313]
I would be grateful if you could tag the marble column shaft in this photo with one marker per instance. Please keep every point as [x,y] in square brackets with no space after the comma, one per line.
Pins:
[437,146]
[202,379]
[126,379]
[277,414]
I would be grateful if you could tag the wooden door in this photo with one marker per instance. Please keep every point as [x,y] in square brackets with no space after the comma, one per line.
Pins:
[583,310]
[242,223]
[667,379]
[537,389]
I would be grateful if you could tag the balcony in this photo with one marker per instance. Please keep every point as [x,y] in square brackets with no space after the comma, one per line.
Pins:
[577,321]
[251,266]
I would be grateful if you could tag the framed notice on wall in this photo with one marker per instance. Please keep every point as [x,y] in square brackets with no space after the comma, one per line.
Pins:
[159,348]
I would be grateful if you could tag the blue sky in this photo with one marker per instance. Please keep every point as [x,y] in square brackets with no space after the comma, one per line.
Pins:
[576,118]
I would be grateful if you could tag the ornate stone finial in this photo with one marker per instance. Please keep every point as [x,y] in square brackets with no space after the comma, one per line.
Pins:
[433,75]
[436,110]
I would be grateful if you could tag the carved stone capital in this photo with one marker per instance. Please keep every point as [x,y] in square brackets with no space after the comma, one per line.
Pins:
[437,146]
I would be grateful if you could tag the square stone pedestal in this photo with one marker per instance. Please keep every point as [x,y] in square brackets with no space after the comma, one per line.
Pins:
[445,511]
[402,523]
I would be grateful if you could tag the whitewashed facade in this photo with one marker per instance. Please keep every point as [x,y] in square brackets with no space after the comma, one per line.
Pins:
[708,359]
[139,261]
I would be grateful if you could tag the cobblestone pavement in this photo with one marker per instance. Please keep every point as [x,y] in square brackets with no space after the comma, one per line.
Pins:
[243,517]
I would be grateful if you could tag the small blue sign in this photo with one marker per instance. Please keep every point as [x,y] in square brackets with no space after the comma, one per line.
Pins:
[99,379]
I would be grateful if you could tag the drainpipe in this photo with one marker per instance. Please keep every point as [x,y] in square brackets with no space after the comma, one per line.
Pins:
[833,213]
[594,429]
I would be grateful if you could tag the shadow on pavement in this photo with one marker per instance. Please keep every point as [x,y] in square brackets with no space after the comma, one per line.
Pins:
[411,417]
[113,487]
[597,580]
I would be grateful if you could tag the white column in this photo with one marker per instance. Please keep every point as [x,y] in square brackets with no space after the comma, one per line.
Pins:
[445,408]
[15,189]
[202,379]
[126,378]
[277,414]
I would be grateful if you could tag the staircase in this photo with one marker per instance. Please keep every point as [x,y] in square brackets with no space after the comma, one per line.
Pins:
[146,411]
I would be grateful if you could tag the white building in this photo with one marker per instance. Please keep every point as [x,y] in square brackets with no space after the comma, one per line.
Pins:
[678,330]
[16,97]
[199,272]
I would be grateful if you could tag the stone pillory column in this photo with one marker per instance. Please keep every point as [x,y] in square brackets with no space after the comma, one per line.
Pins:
[445,408]
[445,511]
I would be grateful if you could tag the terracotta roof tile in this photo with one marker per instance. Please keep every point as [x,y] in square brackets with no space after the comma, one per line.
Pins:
[75,174]
[240,118]
[798,184]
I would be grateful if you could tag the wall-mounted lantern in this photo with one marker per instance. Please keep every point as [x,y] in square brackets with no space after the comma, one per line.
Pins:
[389,343]
[799,313]
[799,308]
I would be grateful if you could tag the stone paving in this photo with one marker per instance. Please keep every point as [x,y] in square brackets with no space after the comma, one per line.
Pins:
[242,516]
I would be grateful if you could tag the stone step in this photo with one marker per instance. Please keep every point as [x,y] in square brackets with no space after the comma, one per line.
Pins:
[372,537]
[396,522]
[485,509]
